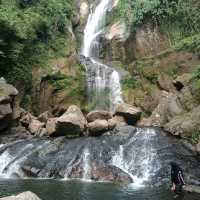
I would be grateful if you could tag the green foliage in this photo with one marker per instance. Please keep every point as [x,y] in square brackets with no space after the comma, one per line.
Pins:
[195,137]
[30,30]
[177,18]
[129,83]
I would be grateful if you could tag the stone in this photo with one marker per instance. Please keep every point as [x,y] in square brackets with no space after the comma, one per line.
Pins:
[165,82]
[116,120]
[45,116]
[7,94]
[131,113]
[198,147]
[192,188]
[97,127]
[184,125]
[181,81]
[5,109]
[110,173]
[72,122]
[98,114]
[7,90]
[118,31]
[23,196]
[35,126]
[51,126]
[26,118]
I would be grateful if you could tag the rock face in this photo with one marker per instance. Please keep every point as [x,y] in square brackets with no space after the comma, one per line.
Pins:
[23,196]
[131,113]
[7,94]
[98,114]
[115,157]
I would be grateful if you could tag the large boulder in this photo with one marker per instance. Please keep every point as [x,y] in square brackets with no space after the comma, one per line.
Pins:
[7,94]
[98,114]
[184,125]
[97,127]
[116,121]
[35,127]
[26,118]
[71,123]
[23,196]
[51,126]
[131,113]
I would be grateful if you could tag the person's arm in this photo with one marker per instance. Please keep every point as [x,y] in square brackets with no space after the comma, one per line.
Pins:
[180,175]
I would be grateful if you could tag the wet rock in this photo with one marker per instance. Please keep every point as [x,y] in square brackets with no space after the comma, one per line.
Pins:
[116,120]
[97,127]
[111,174]
[23,196]
[98,114]
[131,113]
[192,188]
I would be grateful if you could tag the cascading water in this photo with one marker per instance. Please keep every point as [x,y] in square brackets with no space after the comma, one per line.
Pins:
[130,155]
[140,165]
[86,165]
[103,82]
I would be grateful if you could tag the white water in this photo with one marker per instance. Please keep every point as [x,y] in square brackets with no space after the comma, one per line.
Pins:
[86,165]
[147,161]
[102,79]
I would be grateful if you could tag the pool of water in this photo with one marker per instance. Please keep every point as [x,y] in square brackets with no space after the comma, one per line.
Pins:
[78,190]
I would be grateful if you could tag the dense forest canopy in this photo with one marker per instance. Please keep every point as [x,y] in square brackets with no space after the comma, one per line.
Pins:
[180,17]
[29,29]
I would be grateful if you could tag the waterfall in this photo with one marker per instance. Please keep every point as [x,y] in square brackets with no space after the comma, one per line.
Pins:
[86,164]
[142,164]
[103,82]
[139,155]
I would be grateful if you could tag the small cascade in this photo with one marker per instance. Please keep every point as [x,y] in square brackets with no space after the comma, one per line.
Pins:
[139,156]
[86,165]
[103,82]
[140,165]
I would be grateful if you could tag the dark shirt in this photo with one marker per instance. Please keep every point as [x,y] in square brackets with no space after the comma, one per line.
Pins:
[177,177]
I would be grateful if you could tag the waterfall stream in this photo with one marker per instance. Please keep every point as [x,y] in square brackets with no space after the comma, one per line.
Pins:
[103,82]
[130,155]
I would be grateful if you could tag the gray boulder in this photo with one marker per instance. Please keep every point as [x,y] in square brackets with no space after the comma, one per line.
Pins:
[98,114]
[71,123]
[131,113]
[97,127]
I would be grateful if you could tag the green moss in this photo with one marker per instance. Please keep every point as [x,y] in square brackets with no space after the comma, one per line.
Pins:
[195,137]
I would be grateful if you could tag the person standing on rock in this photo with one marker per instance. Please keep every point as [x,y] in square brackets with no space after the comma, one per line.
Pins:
[177,179]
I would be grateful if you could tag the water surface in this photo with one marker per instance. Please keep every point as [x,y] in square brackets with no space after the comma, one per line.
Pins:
[78,190]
